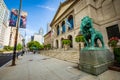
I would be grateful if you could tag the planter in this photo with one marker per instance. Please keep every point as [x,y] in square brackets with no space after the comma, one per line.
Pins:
[82,44]
[66,43]
[117,56]
[80,39]
[66,47]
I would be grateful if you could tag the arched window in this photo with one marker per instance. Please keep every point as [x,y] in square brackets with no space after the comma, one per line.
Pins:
[63,27]
[58,30]
[70,20]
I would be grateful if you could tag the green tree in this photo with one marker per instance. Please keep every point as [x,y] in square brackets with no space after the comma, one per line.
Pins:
[34,45]
[48,46]
[19,46]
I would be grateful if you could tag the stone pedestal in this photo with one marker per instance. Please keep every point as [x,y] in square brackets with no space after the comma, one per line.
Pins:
[95,61]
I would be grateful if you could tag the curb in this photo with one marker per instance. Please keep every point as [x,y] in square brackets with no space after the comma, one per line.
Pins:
[6,64]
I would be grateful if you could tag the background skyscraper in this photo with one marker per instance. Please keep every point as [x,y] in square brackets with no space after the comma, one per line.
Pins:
[39,36]
[48,27]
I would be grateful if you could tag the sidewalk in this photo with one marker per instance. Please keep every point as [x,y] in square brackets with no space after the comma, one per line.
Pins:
[38,67]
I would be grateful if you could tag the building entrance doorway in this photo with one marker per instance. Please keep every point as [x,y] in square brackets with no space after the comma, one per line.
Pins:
[57,44]
[62,43]
[70,38]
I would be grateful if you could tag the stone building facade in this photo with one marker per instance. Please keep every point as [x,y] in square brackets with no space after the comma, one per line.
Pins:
[105,15]
[48,38]
[11,39]
[4,17]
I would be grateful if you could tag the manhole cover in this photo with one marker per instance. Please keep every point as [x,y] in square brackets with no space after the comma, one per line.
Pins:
[31,60]
[45,58]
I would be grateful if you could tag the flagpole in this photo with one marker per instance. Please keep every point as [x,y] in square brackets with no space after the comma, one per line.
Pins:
[16,35]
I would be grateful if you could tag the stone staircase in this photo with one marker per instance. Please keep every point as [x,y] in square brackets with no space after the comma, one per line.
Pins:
[70,55]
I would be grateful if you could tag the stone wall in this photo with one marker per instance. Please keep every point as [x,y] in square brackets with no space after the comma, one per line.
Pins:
[70,56]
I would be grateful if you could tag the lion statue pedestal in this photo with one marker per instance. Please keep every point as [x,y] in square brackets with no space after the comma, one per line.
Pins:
[93,59]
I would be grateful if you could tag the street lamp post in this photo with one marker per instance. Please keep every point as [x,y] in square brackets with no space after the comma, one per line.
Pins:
[16,35]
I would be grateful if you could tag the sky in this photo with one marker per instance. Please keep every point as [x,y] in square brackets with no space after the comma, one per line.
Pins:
[40,12]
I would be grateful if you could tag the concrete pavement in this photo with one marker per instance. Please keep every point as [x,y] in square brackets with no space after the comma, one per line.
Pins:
[38,67]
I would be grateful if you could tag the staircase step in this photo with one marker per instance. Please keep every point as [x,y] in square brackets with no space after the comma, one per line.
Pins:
[70,55]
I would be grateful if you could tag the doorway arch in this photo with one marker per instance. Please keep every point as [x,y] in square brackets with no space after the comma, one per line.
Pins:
[57,44]
[58,30]
[62,43]
[71,39]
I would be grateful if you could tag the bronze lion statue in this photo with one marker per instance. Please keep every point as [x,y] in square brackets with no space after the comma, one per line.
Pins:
[90,34]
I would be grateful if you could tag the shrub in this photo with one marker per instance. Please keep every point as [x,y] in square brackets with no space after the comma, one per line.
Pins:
[40,47]
[48,46]
[79,38]
[66,41]
[8,48]
[1,51]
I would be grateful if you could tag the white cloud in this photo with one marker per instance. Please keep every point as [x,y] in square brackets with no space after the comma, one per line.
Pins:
[29,32]
[46,7]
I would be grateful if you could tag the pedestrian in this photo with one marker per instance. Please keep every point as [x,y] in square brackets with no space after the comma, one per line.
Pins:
[34,51]
[22,52]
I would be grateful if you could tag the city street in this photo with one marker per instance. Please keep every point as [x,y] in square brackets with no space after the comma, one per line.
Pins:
[4,58]
[37,67]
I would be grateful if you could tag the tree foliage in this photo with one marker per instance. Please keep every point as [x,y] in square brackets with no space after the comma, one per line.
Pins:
[48,46]
[8,48]
[66,41]
[34,45]
[19,46]
[79,38]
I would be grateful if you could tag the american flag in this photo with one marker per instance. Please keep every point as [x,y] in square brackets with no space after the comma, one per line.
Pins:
[68,24]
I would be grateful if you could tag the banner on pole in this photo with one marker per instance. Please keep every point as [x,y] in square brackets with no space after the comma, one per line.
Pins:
[13,18]
[23,19]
